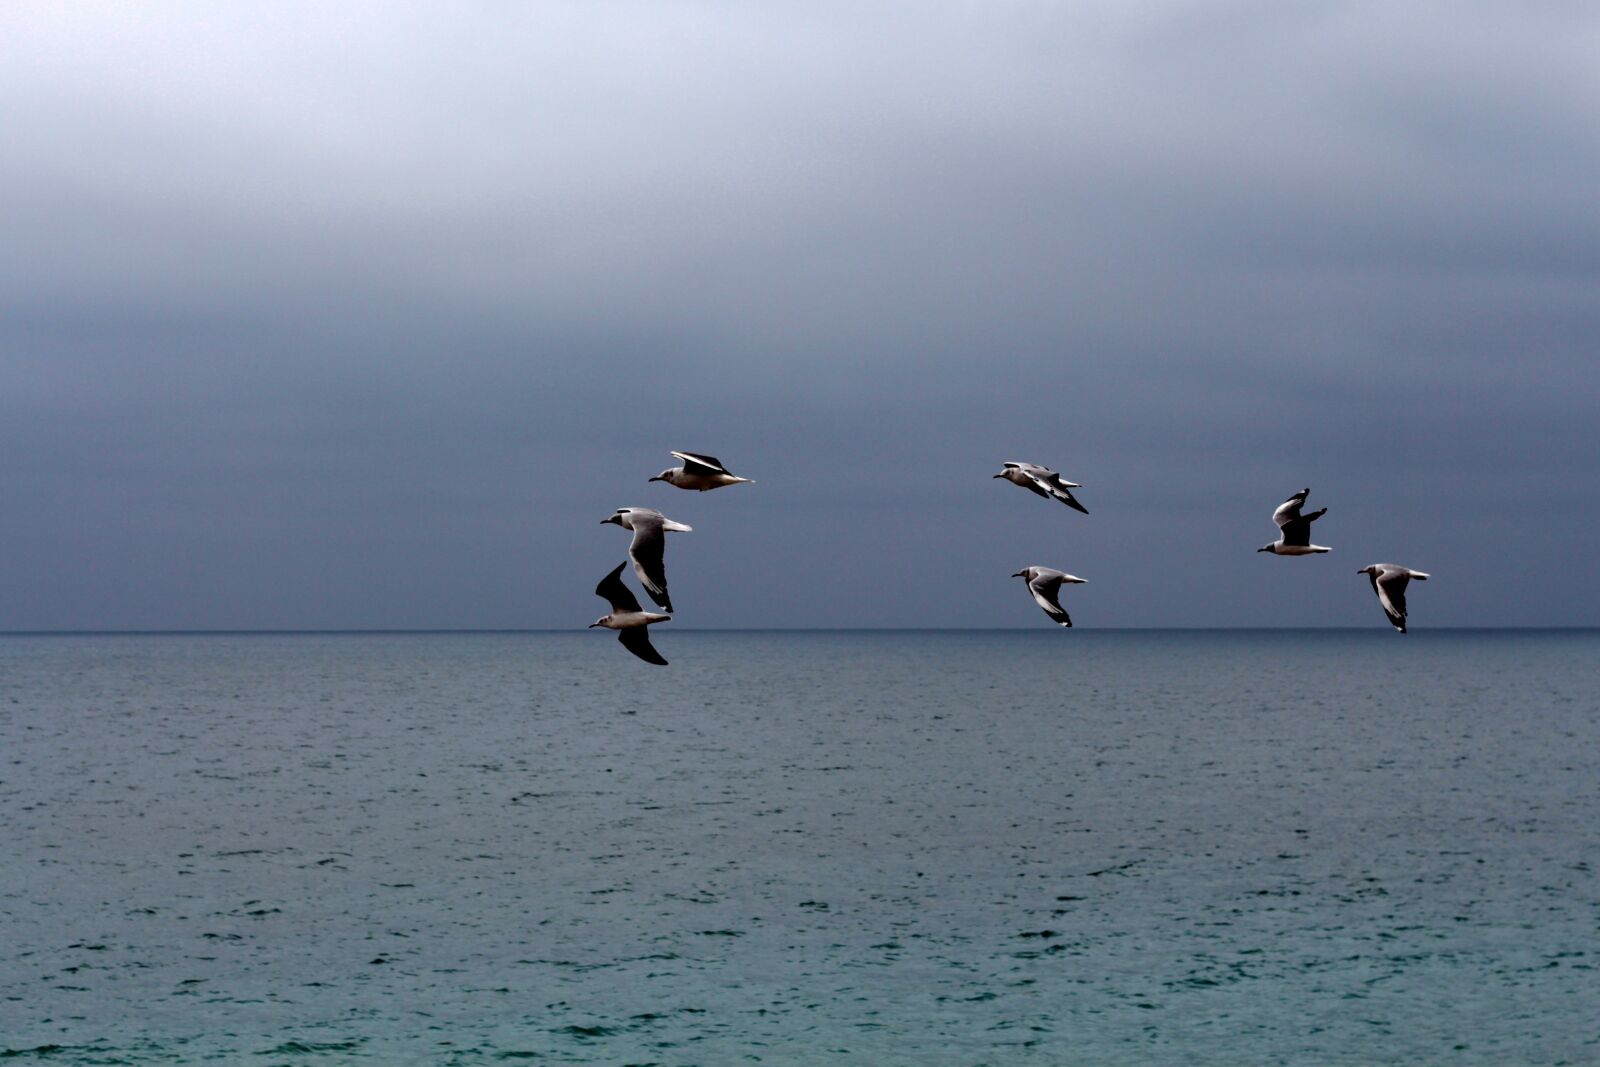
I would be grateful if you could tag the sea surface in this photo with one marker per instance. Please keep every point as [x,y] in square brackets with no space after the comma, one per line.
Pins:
[1035,847]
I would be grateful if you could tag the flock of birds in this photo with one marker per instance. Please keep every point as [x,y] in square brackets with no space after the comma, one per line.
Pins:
[1389,580]
[701,473]
[647,550]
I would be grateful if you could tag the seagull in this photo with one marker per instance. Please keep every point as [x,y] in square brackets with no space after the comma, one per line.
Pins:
[649,543]
[626,618]
[1041,480]
[1294,529]
[1389,581]
[1045,585]
[698,472]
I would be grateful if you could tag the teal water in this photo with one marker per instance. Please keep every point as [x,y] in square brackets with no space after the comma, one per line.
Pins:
[1033,847]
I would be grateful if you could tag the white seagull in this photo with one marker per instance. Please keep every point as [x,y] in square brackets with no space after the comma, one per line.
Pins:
[1389,581]
[1294,529]
[626,618]
[1041,480]
[699,472]
[1045,585]
[648,547]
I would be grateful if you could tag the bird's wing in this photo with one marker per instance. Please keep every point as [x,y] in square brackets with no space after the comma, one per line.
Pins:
[636,639]
[1289,510]
[1046,590]
[1031,482]
[619,596]
[1297,531]
[1390,586]
[694,463]
[1018,474]
[648,552]
[1063,494]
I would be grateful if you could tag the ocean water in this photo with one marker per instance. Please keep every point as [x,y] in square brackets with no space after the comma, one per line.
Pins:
[1033,847]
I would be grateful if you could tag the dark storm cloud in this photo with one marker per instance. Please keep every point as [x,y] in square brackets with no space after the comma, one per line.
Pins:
[366,318]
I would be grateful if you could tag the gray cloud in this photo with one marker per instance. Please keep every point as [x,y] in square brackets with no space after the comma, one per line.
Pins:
[366,317]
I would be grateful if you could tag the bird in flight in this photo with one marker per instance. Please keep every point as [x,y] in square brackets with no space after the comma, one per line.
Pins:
[699,472]
[1045,585]
[648,548]
[1294,529]
[626,617]
[1043,481]
[1389,581]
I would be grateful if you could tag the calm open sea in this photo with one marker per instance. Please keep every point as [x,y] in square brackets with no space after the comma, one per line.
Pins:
[1036,847]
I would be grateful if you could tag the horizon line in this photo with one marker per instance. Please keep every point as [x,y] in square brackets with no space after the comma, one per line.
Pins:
[467,631]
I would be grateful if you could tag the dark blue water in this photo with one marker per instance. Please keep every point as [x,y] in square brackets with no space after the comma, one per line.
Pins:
[868,848]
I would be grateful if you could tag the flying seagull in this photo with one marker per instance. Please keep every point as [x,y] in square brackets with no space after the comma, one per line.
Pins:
[1042,480]
[1389,581]
[1294,529]
[626,618]
[698,472]
[1045,585]
[646,550]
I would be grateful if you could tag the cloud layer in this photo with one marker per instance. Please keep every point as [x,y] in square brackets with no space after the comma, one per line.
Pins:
[364,318]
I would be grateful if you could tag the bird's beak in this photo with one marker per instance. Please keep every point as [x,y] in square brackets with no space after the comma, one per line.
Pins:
[997,475]
[657,478]
[610,518]
[591,626]
[1019,574]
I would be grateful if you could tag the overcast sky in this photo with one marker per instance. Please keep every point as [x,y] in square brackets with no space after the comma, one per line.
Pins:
[364,315]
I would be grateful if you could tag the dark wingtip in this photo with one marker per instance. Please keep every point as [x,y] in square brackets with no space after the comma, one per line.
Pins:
[614,572]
